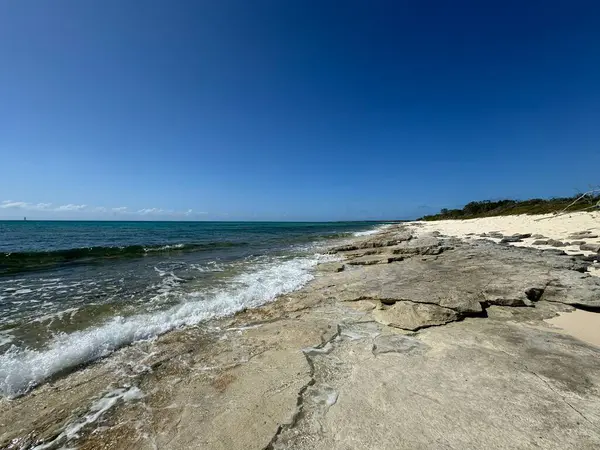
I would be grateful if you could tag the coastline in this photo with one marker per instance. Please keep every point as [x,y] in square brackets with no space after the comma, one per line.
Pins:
[58,319]
[408,325]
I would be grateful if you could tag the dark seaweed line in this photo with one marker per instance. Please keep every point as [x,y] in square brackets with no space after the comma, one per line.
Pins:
[16,262]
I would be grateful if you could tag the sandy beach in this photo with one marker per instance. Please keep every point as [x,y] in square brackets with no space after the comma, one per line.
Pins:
[583,325]
[420,336]
[568,232]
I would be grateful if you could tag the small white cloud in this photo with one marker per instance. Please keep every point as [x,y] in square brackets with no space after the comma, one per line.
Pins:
[151,211]
[25,205]
[10,204]
[70,207]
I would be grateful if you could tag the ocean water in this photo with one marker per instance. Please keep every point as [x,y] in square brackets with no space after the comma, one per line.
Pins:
[73,292]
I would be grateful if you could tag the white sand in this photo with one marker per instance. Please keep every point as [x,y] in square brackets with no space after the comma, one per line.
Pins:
[548,225]
[583,325]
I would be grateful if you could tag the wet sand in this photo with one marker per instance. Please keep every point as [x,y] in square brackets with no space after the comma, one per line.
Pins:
[583,325]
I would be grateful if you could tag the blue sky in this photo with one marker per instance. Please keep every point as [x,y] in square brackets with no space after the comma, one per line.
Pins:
[293,110]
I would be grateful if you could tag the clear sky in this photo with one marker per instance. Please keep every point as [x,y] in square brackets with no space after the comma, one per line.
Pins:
[295,109]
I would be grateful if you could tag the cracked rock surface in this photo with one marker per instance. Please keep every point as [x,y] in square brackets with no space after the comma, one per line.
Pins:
[452,280]
[439,344]
[471,385]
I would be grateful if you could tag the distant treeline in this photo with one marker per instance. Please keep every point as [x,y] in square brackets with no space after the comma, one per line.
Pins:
[487,208]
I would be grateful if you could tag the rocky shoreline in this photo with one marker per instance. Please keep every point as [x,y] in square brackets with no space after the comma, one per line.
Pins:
[412,340]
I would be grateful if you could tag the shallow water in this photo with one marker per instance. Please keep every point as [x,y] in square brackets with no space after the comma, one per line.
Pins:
[71,292]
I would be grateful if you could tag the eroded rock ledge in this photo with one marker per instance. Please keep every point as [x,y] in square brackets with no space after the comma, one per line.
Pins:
[438,280]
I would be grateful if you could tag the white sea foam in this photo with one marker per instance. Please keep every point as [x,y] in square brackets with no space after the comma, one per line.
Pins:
[211,266]
[5,337]
[372,231]
[21,369]
[59,315]
[23,291]
[97,409]
[164,247]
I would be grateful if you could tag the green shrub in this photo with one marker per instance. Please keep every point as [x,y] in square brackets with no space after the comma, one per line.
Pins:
[488,208]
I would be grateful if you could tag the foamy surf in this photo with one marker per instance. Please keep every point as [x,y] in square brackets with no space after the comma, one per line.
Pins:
[375,230]
[95,412]
[22,369]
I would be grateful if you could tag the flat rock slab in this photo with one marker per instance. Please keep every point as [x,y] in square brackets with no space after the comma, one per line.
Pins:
[423,245]
[556,243]
[515,238]
[590,247]
[382,258]
[368,260]
[253,411]
[583,235]
[466,279]
[397,343]
[331,267]
[469,385]
[414,316]
[493,234]
[384,239]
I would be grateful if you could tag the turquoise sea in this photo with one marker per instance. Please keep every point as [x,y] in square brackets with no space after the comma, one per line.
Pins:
[72,292]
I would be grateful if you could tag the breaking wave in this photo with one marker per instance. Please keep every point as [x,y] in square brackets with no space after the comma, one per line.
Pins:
[371,231]
[23,368]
